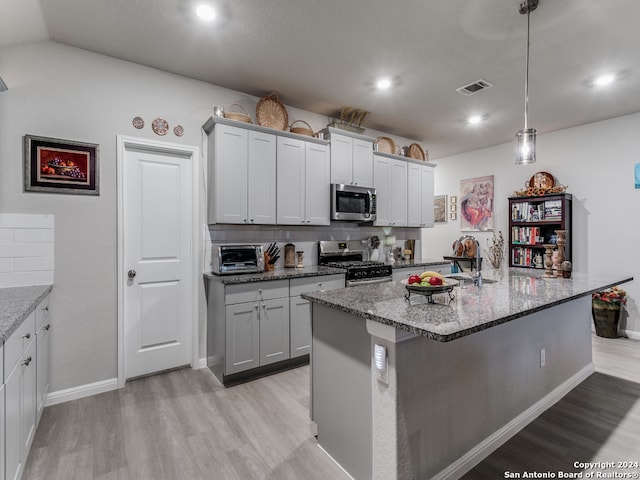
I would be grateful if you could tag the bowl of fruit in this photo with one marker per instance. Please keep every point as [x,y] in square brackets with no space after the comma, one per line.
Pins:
[428,283]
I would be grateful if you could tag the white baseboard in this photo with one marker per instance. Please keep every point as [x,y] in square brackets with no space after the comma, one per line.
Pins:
[631,334]
[202,363]
[81,391]
[485,448]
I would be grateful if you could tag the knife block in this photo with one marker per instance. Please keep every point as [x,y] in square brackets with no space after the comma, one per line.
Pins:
[267,266]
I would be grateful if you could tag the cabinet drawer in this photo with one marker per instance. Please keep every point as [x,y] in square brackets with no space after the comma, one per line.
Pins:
[42,312]
[313,284]
[18,342]
[256,291]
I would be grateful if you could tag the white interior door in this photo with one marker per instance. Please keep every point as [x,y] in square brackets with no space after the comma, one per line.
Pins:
[156,236]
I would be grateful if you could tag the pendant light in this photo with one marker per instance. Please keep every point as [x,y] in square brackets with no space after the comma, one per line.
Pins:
[526,138]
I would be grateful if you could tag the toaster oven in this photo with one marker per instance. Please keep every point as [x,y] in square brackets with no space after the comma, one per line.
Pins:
[232,259]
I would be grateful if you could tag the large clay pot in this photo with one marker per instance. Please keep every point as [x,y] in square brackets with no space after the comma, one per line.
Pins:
[606,316]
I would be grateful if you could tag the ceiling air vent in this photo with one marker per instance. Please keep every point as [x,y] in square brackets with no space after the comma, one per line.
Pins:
[474,87]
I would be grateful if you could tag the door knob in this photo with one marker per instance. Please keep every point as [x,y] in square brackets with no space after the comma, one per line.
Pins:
[131,273]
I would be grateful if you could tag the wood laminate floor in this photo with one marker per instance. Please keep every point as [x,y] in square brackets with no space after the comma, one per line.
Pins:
[183,425]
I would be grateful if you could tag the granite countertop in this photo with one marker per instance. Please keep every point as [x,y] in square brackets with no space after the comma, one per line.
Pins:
[277,274]
[16,304]
[516,293]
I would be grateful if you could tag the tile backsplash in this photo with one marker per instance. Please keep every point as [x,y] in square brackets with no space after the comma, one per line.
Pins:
[304,238]
[26,249]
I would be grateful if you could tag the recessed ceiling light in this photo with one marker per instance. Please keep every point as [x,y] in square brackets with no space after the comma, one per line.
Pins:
[206,12]
[604,80]
[474,119]
[383,84]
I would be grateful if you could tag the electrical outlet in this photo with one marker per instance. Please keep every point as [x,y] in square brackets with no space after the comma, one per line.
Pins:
[543,358]
[381,363]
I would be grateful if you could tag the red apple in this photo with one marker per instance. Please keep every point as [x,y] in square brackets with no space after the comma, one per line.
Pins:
[435,281]
[414,279]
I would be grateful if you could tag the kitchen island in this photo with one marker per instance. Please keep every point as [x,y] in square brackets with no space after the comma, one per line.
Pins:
[459,378]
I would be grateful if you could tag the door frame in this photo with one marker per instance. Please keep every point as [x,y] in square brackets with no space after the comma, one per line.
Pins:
[193,153]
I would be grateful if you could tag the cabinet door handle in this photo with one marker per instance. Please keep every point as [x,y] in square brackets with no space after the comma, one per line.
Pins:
[251,220]
[27,336]
[47,326]
[27,361]
[46,309]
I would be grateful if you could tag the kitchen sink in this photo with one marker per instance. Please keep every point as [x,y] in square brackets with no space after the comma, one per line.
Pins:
[468,278]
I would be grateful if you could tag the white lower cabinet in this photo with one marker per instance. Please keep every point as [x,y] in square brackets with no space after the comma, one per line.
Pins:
[20,414]
[257,324]
[274,330]
[24,391]
[257,331]
[2,427]
[300,309]
[42,368]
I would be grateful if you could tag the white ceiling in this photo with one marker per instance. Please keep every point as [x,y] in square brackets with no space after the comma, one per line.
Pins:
[320,55]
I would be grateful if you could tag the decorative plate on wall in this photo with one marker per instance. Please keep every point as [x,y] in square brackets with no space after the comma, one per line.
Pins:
[178,130]
[138,123]
[160,126]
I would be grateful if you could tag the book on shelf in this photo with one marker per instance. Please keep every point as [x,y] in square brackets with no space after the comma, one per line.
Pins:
[527,212]
[525,235]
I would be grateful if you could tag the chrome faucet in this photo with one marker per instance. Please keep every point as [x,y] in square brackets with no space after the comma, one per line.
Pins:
[478,279]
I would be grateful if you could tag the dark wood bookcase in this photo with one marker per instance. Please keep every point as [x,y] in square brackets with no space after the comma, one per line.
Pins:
[533,222]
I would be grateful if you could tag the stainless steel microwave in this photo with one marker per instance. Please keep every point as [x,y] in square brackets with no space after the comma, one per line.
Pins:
[351,203]
[230,259]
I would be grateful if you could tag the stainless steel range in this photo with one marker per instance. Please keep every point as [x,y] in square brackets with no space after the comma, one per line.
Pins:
[349,255]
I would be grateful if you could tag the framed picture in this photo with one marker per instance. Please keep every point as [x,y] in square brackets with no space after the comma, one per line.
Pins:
[454,215]
[60,166]
[453,199]
[453,207]
[476,206]
[440,209]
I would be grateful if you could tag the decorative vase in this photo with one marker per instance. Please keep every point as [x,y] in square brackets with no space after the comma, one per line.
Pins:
[606,316]
[548,263]
[562,241]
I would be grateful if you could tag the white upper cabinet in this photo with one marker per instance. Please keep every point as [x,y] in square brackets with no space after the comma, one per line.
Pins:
[303,196]
[390,181]
[261,206]
[404,192]
[427,196]
[291,180]
[382,184]
[414,195]
[420,195]
[351,160]
[317,185]
[243,176]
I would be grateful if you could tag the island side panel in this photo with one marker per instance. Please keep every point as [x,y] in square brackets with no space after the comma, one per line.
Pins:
[451,396]
[341,388]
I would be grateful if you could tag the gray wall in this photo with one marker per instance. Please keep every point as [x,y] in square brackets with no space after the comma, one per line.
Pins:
[63,92]
[596,162]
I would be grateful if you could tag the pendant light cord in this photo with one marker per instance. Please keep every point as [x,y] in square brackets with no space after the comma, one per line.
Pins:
[526,75]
